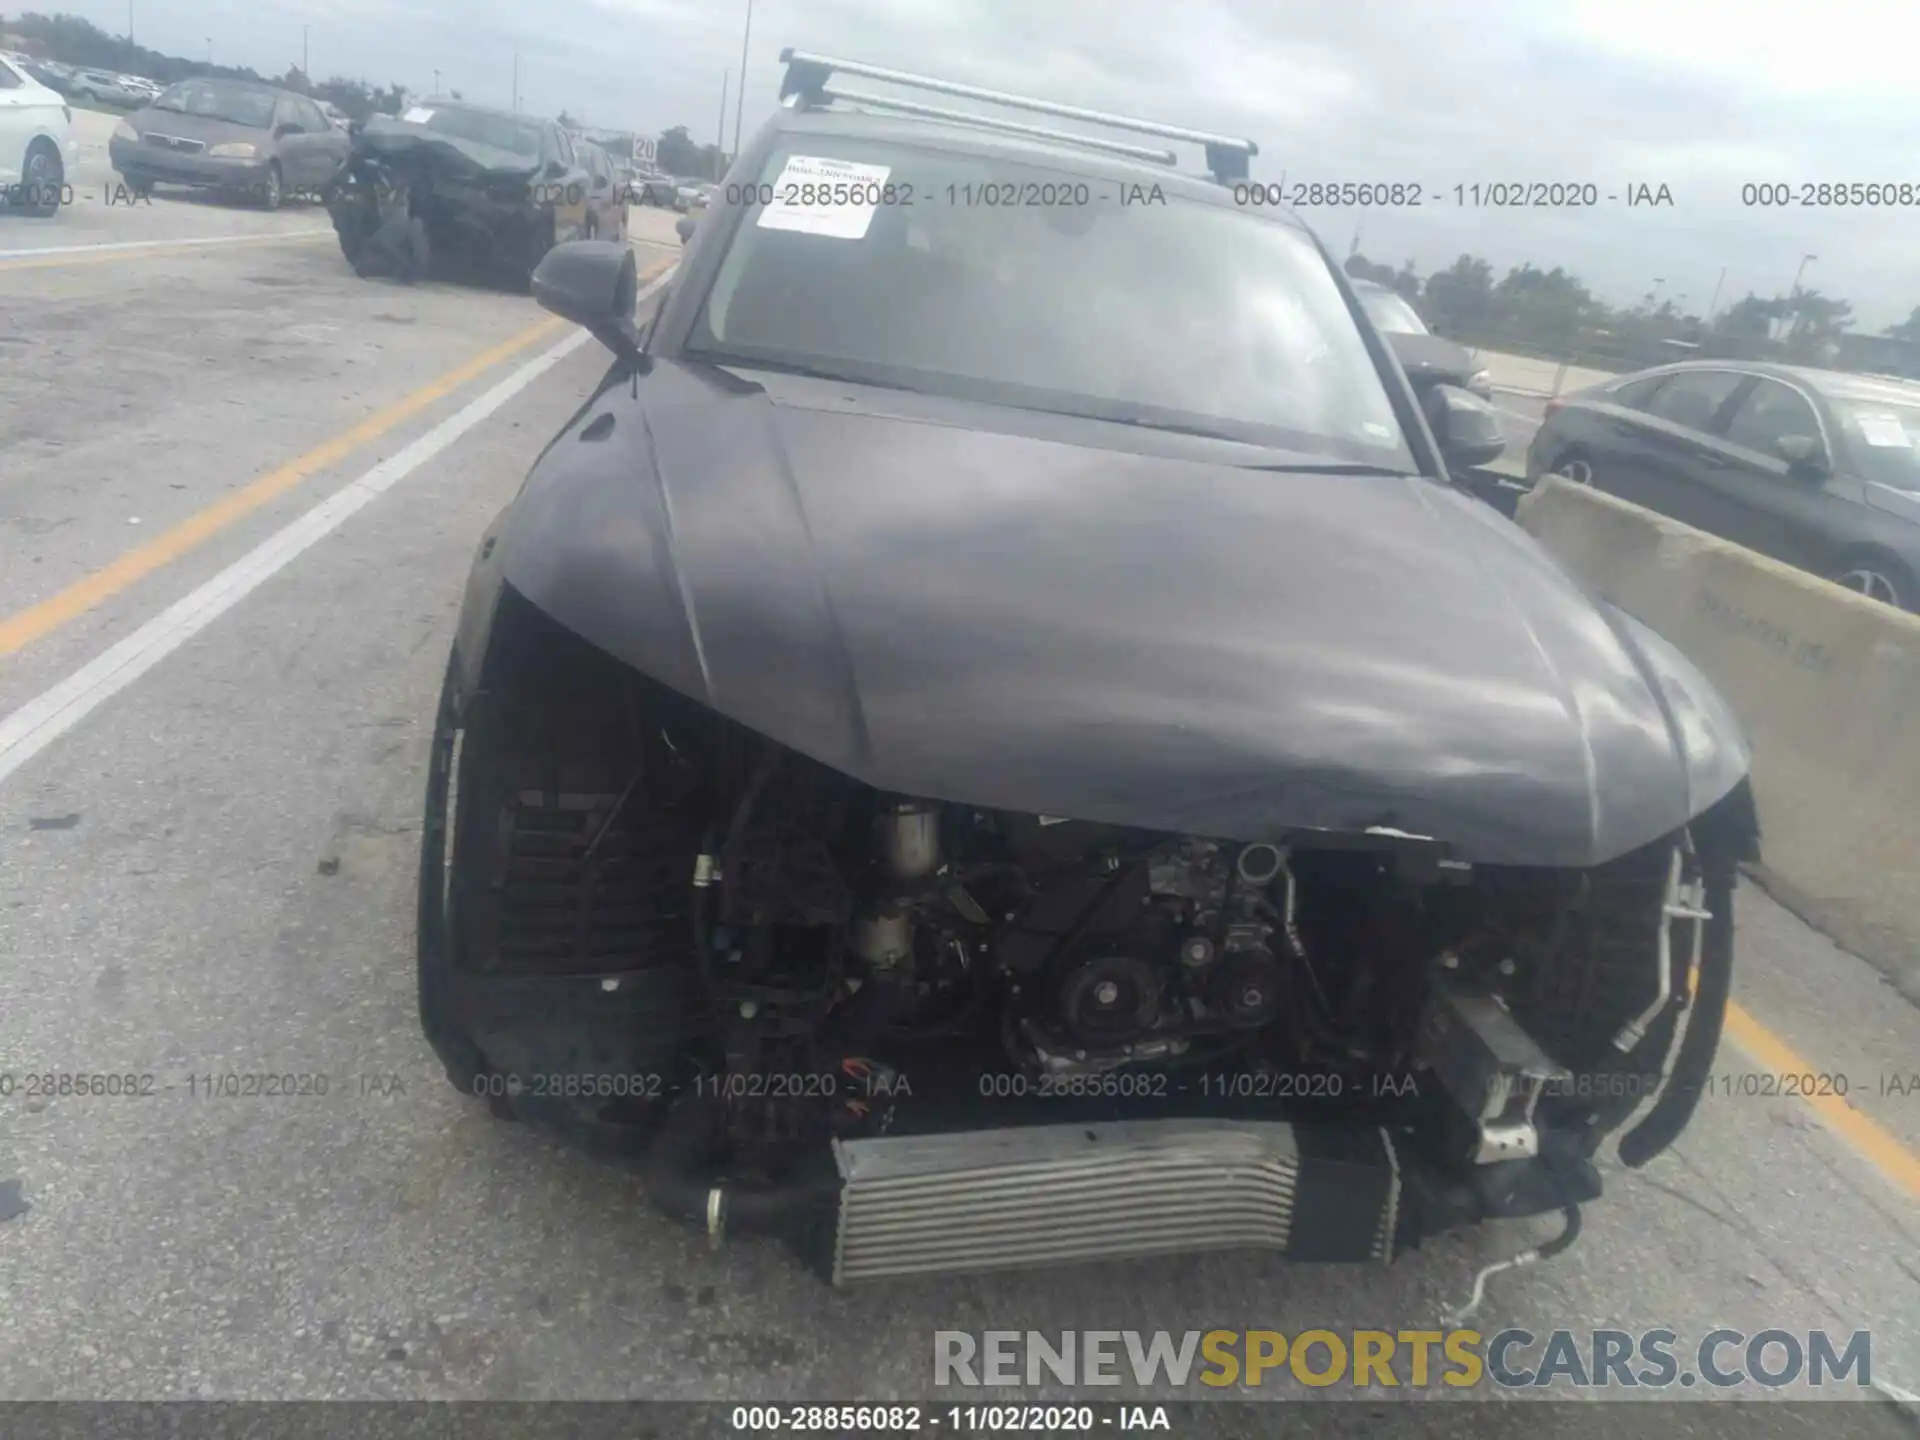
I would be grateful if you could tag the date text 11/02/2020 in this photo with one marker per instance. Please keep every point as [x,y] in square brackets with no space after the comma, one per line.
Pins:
[865,1080]
[36,1087]
[1468,195]
[905,194]
[1301,194]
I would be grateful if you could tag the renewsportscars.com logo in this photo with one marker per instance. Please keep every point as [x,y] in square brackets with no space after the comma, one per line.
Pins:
[1414,1359]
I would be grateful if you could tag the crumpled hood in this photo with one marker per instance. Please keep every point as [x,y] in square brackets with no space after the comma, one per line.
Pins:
[435,152]
[1030,617]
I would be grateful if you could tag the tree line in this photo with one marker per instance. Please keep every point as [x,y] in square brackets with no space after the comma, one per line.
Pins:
[1551,312]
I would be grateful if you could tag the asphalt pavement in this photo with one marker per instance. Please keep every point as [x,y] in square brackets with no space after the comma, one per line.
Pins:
[206,868]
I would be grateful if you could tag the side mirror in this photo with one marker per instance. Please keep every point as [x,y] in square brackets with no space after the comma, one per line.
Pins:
[1465,427]
[683,227]
[556,167]
[593,283]
[1805,457]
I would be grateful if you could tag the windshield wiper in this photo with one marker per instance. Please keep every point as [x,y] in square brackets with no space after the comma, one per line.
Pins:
[1172,427]
[1333,467]
[797,367]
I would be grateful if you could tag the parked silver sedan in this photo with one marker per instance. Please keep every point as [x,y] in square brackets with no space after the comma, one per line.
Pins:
[238,137]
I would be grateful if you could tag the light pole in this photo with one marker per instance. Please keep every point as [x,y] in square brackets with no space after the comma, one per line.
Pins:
[1792,317]
[304,71]
[1714,303]
[740,99]
[129,24]
[516,80]
[1798,273]
[720,139]
[209,50]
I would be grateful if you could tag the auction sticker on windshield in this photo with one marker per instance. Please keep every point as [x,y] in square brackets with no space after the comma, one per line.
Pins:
[819,196]
[1884,430]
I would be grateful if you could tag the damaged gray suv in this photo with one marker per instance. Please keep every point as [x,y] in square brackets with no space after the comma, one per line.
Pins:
[994,738]
[450,186]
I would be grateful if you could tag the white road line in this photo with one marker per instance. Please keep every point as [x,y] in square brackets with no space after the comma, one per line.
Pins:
[1530,419]
[43,720]
[190,241]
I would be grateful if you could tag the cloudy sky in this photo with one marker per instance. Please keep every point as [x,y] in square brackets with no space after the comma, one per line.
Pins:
[1699,95]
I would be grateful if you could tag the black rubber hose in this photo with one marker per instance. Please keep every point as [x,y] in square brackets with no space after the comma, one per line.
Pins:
[1564,1240]
[678,1175]
[1675,1107]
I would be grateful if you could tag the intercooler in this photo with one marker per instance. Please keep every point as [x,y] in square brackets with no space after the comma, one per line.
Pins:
[1057,1194]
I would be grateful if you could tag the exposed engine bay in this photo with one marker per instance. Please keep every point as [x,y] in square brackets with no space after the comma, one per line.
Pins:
[776,964]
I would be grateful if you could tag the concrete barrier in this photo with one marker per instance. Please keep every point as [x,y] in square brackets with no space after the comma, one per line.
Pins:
[1828,685]
[1541,379]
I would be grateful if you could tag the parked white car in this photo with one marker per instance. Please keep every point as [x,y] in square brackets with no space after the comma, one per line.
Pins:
[37,150]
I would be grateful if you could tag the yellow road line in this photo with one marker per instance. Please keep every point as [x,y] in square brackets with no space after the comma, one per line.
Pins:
[168,250]
[1875,1144]
[37,621]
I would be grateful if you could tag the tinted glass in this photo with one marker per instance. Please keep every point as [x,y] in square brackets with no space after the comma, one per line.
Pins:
[1392,313]
[501,132]
[1175,313]
[1882,440]
[1693,397]
[8,80]
[218,100]
[1768,414]
[1636,393]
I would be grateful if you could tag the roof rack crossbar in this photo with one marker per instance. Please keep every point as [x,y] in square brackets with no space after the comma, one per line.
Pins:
[807,76]
[986,122]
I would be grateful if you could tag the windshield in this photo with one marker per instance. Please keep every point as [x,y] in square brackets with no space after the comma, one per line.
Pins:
[502,132]
[1004,282]
[1391,313]
[214,101]
[1884,440]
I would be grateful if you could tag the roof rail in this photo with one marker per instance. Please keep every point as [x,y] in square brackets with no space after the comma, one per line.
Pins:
[1038,132]
[808,75]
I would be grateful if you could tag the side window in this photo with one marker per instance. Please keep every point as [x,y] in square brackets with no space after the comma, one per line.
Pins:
[1770,413]
[1637,393]
[8,80]
[1693,397]
[563,147]
[313,118]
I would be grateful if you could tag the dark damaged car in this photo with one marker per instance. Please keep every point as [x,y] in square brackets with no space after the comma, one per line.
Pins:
[450,187]
[993,738]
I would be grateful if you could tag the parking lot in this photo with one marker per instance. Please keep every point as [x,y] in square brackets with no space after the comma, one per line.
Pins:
[209,867]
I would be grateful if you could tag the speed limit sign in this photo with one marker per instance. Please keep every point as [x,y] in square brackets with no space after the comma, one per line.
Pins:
[644,150]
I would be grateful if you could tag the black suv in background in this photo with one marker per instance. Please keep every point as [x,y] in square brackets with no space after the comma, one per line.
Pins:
[1813,467]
